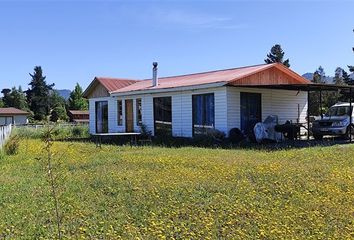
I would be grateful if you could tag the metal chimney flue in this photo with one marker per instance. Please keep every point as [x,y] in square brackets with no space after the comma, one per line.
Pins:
[155,80]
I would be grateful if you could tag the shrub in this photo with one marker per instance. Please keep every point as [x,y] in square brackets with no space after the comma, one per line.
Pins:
[12,145]
[2,155]
[217,135]
[28,133]
[145,132]
[235,135]
[77,131]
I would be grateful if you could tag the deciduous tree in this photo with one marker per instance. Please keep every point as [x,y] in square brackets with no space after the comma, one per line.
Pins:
[14,98]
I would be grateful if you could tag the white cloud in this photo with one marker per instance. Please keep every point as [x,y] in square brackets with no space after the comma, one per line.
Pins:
[193,20]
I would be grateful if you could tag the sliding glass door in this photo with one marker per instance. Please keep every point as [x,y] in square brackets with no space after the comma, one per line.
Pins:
[101,110]
[251,111]
[203,113]
[163,115]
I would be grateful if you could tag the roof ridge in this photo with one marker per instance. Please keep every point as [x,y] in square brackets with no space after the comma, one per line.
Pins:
[211,71]
[118,79]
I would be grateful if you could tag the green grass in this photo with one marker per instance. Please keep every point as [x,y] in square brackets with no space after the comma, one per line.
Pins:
[185,193]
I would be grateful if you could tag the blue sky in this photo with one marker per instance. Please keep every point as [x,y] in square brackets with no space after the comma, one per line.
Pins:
[75,41]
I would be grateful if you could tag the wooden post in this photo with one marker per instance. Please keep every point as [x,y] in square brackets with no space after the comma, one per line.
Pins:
[351,113]
[321,103]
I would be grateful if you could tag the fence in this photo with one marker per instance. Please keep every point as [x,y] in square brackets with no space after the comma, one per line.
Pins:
[5,132]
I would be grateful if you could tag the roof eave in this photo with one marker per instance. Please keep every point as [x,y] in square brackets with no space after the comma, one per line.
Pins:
[170,89]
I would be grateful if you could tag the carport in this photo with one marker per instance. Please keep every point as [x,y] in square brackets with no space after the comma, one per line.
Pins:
[344,90]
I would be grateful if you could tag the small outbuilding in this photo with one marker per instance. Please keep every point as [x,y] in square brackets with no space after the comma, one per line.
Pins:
[79,116]
[13,116]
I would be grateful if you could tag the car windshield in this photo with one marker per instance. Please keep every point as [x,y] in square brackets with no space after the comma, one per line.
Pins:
[338,111]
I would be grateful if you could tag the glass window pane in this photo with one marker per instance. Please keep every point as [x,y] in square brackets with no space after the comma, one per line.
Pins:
[138,112]
[163,115]
[120,112]
[203,113]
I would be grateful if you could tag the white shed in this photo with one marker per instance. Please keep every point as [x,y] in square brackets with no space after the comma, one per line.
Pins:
[13,116]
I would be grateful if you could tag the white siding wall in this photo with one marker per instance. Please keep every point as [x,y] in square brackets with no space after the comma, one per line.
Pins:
[20,119]
[182,110]
[17,120]
[227,108]
[283,103]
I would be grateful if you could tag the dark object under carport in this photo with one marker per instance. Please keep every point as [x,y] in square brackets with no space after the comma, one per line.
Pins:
[290,130]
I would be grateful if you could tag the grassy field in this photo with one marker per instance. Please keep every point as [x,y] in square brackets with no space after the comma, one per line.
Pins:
[186,193]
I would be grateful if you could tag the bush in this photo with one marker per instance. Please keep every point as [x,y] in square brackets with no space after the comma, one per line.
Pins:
[235,135]
[28,132]
[77,131]
[59,132]
[217,135]
[2,155]
[12,145]
[145,132]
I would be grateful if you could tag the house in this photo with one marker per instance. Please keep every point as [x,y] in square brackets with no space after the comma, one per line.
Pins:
[79,116]
[192,104]
[13,116]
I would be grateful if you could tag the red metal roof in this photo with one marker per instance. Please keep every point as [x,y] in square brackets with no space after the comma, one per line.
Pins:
[245,76]
[112,84]
[227,76]
[12,111]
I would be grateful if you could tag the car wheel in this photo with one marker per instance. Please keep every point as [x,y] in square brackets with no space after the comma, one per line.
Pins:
[318,136]
[347,134]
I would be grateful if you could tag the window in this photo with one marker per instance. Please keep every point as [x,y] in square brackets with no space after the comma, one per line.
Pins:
[203,113]
[120,112]
[101,117]
[139,119]
[163,115]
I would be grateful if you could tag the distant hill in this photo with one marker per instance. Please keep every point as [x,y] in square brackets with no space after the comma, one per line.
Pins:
[65,93]
[309,76]
[329,79]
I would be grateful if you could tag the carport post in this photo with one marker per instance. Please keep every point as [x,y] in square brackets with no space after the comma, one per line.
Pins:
[351,117]
[308,114]
[321,103]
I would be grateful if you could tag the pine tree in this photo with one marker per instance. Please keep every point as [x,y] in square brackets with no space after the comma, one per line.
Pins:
[319,76]
[276,55]
[332,97]
[346,78]
[76,100]
[338,76]
[38,94]
[57,107]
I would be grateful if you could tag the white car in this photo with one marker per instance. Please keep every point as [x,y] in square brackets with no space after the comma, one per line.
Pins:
[336,121]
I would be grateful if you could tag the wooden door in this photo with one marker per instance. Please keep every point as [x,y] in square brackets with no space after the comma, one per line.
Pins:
[129,116]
